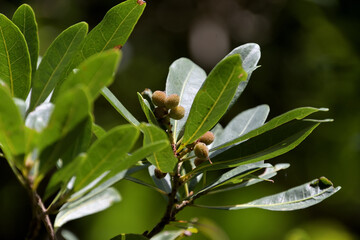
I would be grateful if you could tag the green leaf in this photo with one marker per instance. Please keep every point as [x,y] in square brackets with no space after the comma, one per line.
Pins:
[213,98]
[263,147]
[15,66]
[296,198]
[86,206]
[243,123]
[12,132]
[118,106]
[184,79]
[129,236]
[94,73]
[114,30]
[57,58]
[24,18]
[145,106]
[140,182]
[234,175]
[250,55]
[70,109]
[253,179]
[298,113]
[66,148]
[122,168]
[105,153]
[98,130]
[63,175]
[164,160]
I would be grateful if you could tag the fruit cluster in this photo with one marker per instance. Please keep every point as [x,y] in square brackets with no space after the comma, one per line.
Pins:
[168,107]
[165,103]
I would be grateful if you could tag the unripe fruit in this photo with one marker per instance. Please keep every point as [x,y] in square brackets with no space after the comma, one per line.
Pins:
[160,112]
[199,161]
[158,98]
[177,113]
[172,101]
[201,150]
[207,138]
[159,174]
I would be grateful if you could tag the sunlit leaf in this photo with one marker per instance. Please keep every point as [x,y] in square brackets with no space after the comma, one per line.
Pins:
[86,206]
[24,18]
[263,147]
[12,133]
[299,197]
[114,30]
[243,123]
[15,66]
[213,98]
[105,153]
[54,63]
[145,106]
[94,73]
[184,79]
[298,113]
[228,177]
[164,160]
[118,106]
[250,56]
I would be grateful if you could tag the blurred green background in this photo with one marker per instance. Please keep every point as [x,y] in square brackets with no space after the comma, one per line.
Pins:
[310,57]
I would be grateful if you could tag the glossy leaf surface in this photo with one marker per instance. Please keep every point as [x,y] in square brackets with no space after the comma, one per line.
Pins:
[12,132]
[105,153]
[54,63]
[298,113]
[86,206]
[145,106]
[114,30]
[250,56]
[15,66]
[213,98]
[296,198]
[164,160]
[263,147]
[66,115]
[118,106]
[243,123]
[184,79]
[24,18]
[94,73]
[234,175]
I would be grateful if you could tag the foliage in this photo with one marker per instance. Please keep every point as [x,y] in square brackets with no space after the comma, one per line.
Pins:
[47,128]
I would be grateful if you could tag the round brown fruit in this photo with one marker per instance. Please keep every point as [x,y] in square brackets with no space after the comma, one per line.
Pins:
[158,98]
[201,150]
[160,112]
[177,113]
[207,138]
[172,101]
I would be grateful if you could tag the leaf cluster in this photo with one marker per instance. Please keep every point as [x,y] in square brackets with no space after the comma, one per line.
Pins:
[49,136]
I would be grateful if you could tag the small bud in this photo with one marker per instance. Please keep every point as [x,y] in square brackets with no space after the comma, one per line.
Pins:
[159,174]
[172,101]
[199,161]
[160,112]
[158,98]
[201,150]
[177,113]
[207,138]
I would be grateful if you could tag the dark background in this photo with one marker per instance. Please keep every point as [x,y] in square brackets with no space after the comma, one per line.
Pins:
[310,57]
